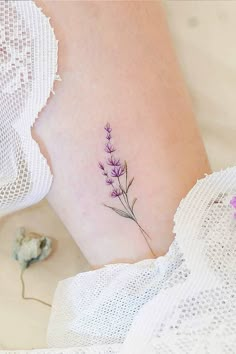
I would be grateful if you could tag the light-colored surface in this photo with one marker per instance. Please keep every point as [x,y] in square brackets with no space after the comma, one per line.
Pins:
[28,320]
[204,37]
[203,33]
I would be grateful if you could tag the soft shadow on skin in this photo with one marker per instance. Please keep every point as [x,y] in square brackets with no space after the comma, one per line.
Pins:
[124,261]
[42,147]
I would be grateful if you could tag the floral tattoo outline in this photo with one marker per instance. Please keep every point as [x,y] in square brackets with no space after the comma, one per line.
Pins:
[116,176]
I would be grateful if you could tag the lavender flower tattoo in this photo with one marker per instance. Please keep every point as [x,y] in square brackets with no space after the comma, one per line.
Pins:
[113,170]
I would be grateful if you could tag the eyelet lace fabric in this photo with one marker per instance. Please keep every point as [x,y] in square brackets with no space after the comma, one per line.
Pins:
[181,303]
[184,302]
[28,66]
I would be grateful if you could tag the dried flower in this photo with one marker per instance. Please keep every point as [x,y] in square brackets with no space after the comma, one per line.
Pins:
[108,137]
[112,161]
[30,248]
[116,193]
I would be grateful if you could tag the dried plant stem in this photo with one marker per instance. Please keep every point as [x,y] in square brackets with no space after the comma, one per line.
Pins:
[29,298]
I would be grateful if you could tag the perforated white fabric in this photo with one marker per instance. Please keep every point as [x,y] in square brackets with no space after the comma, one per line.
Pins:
[28,66]
[184,302]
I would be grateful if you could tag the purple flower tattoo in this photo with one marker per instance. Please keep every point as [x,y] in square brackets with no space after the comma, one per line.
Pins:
[112,161]
[108,128]
[118,171]
[116,174]
[109,148]
[101,166]
[116,192]
[233,203]
[109,181]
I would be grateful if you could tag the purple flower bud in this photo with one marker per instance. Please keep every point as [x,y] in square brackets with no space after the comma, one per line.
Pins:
[109,148]
[112,161]
[233,202]
[100,165]
[108,137]
[109,181]
[116,193]
[117,171]
[108,127]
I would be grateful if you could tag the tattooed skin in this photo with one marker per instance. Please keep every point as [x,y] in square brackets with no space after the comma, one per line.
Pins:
[115,173]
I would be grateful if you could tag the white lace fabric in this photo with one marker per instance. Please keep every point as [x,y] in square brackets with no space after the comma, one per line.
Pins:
[182,303]
[28,66]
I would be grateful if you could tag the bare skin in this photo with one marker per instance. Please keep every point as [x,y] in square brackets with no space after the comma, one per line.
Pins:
[117,65]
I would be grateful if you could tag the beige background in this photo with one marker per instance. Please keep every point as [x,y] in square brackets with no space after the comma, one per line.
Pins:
[204,36]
